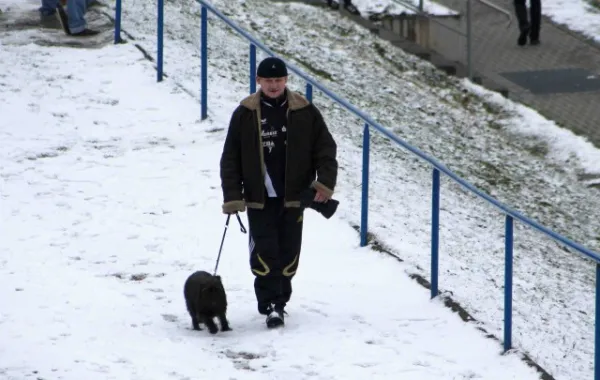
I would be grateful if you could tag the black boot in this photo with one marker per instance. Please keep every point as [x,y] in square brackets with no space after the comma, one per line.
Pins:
[275,317]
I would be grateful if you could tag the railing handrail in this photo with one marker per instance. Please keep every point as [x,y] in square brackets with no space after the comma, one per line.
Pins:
[499,9]
[505,209]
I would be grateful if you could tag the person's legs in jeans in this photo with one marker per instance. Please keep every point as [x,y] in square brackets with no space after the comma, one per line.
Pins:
[76,10]
[48,7]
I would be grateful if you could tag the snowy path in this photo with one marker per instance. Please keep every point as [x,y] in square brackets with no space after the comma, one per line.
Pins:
[110,198]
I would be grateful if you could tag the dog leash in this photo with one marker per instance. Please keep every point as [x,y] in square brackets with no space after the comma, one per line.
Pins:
[242,228]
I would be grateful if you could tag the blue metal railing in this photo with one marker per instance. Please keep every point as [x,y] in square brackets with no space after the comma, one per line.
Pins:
[438,168]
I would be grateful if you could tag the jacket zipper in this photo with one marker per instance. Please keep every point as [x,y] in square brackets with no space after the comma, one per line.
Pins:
[260,153]
[287,149]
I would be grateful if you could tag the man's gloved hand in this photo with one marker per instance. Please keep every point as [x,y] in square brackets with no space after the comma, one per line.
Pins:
[327,209]
[232,207]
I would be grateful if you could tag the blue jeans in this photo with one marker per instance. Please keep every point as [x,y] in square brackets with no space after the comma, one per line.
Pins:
[75,12]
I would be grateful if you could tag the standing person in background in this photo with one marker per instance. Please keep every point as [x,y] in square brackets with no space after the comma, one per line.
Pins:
[529,27]
[278,154]
[73,20]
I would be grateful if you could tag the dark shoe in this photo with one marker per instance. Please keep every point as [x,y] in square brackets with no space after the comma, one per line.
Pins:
[275,318]
[352,9]
[326,209]
[333,4]
[535,42]
[62,18]
[523,37]
[85,33]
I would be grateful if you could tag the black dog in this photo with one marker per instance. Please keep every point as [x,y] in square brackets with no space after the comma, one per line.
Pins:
[205,299]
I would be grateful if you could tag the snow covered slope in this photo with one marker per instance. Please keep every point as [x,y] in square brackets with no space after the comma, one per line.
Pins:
[111,198]
[507,150]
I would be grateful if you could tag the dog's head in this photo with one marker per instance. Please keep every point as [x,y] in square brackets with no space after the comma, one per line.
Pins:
[213,293]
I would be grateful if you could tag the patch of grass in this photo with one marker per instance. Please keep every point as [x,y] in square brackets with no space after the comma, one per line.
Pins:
[494,125]
[491,108]
[380,50]
[317,71]
[490,177]
[595,4]
[464,99]
[539,149]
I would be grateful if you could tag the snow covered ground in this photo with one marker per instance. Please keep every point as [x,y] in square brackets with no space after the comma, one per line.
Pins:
[577,15]
[394,7]
[111,198]
[507,150]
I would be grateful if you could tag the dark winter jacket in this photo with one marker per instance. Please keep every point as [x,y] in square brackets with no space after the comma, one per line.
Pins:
[311,152]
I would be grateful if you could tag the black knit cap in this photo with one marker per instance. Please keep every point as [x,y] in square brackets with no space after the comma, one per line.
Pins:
[272,67]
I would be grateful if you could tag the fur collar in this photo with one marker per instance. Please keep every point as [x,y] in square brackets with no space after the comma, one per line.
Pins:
[295,100]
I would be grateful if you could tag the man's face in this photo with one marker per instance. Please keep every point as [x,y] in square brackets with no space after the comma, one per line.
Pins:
[272,87]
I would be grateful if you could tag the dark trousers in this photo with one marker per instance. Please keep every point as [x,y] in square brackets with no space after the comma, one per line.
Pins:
[275,243]
[531,25]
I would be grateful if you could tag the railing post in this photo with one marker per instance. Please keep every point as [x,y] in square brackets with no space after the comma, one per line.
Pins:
[252,68]
[159,44]
[420,5]
[118,22]
[203,64]
[469,40]
[309,92]
[435,231]
[508,281]
[364,211]
[597,328]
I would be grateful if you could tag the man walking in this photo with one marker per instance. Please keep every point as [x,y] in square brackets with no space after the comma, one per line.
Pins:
[277,149]
[529,28]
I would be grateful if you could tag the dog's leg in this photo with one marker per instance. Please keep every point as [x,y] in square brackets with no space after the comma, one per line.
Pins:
[195,323]
[224,323]
[192,311]
[210,324]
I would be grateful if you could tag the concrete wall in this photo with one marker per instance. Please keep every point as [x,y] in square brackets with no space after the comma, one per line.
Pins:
[431,32]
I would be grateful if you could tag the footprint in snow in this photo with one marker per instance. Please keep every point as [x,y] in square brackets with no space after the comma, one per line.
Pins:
[314,310]
[360,320]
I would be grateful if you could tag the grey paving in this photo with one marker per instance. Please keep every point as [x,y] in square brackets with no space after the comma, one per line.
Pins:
[568,62]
